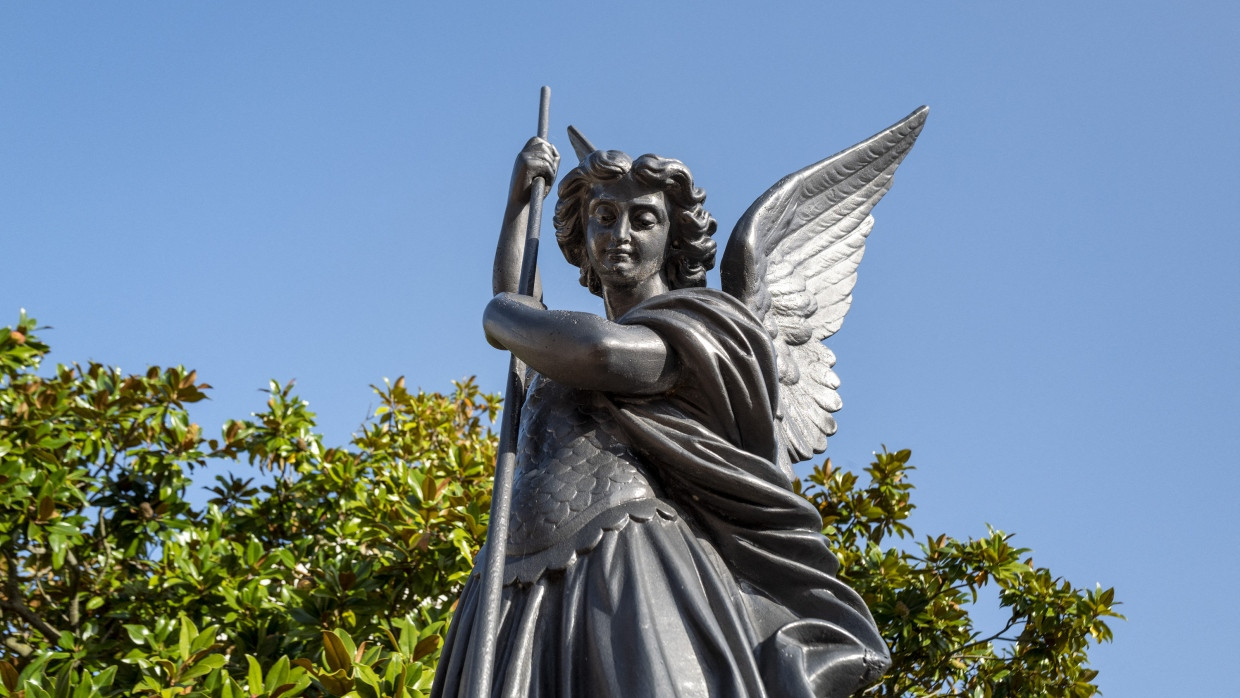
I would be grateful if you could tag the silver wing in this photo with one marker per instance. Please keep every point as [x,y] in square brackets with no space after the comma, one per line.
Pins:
[793,258]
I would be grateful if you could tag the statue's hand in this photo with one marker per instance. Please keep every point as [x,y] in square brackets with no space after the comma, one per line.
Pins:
[537,159]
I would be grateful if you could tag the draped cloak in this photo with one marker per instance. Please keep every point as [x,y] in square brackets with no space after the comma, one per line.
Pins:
[655,546]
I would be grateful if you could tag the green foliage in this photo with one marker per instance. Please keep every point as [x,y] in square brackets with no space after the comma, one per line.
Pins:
[921,599]
[333,571]
[114,584]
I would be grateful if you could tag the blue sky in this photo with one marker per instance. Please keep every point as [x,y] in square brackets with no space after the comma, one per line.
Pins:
[1047,314]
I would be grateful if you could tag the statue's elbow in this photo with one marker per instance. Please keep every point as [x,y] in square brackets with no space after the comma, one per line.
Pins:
[602,355]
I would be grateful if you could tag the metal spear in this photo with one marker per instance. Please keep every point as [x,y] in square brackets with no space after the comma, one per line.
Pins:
[505,464]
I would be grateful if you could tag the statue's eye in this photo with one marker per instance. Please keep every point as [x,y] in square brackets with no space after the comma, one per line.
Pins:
[645,220]
[605,215]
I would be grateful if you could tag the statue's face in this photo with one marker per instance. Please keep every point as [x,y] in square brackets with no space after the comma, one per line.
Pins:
[627,226]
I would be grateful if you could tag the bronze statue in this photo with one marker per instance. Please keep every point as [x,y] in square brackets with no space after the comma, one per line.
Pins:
[655,547]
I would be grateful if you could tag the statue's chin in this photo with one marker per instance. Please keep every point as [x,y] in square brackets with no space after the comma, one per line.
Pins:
[625,275]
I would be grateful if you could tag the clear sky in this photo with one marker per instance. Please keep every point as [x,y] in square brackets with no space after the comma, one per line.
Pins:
[1047,315]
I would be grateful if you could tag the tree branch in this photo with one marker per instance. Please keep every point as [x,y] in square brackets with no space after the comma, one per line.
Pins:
[106,466]
[75,583]
[102,529]
[16,606]
[21,649]
[15,603]
[997,636]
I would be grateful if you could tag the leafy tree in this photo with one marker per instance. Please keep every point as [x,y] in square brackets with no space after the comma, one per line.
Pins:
[921,599]
[333,571]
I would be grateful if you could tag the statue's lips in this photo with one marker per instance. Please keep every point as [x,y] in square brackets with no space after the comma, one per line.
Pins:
[620,254]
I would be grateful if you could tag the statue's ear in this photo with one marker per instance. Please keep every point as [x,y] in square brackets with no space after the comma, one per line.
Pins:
[581,146]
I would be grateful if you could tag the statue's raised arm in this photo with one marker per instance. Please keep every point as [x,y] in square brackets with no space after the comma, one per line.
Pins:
[792,259]
[537,160]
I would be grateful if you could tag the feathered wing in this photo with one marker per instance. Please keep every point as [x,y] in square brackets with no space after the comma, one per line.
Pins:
[793,258]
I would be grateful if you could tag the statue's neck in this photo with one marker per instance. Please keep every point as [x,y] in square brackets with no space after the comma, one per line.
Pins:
[619,301]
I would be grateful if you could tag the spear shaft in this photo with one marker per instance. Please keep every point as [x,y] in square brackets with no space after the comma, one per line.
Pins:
[505,464]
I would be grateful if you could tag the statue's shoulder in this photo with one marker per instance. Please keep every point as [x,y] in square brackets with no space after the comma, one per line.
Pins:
[706,322]
[701,298]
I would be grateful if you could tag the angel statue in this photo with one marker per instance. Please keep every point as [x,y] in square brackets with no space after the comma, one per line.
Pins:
[655,546]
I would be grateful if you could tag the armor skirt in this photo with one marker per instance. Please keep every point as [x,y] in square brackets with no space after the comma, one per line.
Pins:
[650,611]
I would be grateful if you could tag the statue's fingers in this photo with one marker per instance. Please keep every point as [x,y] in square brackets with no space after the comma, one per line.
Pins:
[547,164]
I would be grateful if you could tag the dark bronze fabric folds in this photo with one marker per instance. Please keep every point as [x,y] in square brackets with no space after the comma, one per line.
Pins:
[727,589]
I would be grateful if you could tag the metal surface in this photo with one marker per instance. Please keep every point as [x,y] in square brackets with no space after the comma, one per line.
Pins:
[658,547]
[501,498]
[792,259]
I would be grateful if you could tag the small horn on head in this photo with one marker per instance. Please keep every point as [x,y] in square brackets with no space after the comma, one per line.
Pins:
[581,146]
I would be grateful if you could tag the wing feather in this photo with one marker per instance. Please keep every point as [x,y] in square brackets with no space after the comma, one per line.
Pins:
[792,259]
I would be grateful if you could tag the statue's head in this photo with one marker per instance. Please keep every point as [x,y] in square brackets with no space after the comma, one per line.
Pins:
[655,195]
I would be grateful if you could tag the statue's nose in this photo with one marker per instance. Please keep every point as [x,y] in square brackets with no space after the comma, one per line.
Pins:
[624,230]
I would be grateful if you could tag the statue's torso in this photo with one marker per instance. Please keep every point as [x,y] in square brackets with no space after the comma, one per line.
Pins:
[574,471]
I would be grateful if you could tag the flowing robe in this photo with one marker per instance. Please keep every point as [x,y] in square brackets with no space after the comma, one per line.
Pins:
[655,547]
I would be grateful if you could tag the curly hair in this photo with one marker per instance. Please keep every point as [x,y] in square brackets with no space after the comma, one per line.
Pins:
[691,251]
